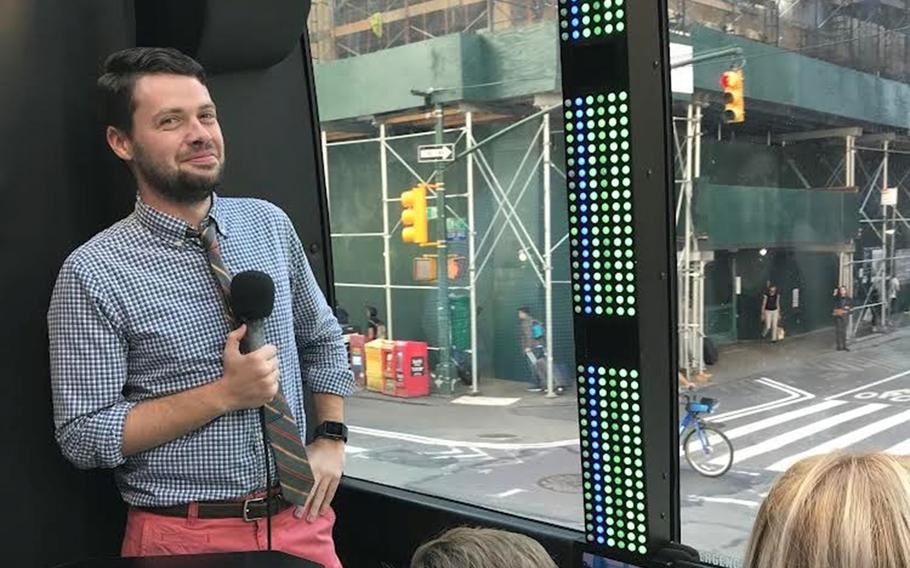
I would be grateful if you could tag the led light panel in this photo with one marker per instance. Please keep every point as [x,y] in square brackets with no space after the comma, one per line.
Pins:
[612,452]
[589,19]
[599,171]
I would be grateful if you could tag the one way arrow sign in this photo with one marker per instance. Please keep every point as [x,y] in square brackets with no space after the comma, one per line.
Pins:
[436,153]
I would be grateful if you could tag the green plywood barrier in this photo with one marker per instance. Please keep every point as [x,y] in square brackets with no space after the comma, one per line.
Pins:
[754,217]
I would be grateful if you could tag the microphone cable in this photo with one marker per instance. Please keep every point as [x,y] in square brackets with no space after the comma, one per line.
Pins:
[268,479]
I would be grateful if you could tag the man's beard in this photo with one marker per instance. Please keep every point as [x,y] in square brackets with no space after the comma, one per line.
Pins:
[176,186]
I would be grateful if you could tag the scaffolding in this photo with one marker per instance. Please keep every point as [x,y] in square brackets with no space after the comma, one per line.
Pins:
[867,36]
[348,28]
[505,217]
[883,224]
[866,167]
[867,156]
[690,261]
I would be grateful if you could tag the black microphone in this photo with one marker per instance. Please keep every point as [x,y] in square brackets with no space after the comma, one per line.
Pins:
[252,300]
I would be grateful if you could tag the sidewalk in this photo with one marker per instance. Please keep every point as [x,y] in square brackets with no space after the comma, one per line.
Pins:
[748,358]
[504,412]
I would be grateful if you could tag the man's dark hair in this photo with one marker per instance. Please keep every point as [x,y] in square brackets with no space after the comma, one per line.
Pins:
[524,310]
[123,68]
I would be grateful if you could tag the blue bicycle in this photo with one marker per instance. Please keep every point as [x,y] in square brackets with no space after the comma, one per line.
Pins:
[706,448]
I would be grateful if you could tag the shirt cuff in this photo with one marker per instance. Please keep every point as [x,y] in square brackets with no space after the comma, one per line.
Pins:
[98,441]
[340,382]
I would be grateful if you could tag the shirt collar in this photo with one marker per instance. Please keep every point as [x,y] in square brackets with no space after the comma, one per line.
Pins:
[170,227]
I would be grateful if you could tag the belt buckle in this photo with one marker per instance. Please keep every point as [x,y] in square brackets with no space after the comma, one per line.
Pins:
[246,508]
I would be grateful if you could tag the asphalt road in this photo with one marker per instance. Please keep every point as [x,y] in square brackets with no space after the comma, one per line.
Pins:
[523,457]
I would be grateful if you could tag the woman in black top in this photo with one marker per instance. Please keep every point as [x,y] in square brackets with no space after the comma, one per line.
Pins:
[841,314]
[771,312]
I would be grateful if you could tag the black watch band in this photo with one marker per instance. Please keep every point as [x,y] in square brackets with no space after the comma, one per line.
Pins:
[332,431]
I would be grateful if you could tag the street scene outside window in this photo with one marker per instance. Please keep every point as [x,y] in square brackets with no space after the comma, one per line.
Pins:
[444,155]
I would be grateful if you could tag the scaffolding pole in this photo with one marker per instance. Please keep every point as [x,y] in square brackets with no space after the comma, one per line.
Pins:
[883,295]
[472,257]
[386,245]
[548,253]
[324,143]
[687,243]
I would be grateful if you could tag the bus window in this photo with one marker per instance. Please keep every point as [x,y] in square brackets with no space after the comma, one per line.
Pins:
[443,124]
[791,247]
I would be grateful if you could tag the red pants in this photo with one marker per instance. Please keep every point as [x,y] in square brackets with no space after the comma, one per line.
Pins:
[148,534]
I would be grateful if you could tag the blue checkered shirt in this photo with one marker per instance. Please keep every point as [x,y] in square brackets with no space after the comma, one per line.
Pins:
[136,314]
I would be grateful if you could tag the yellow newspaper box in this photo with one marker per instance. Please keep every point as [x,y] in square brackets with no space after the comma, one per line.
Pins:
[376,353]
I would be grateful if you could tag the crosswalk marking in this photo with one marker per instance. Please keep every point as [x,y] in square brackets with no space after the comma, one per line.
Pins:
[843,441]
[781,418]
[869,386]
[901,449]
[777,442]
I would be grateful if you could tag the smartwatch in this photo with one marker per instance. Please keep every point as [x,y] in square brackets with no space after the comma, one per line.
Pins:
[332,431]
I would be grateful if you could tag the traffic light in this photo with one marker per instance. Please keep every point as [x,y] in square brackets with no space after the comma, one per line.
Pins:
[734,103]
[414,215]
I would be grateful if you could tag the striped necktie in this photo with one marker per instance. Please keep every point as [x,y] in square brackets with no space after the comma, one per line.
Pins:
[294,473]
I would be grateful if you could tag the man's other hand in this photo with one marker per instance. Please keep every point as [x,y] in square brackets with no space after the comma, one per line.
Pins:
[326,459]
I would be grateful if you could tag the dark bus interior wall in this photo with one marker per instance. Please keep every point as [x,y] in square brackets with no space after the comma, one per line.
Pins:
[61,185]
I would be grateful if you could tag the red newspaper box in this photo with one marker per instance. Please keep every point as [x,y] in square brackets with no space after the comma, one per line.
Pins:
[411,370]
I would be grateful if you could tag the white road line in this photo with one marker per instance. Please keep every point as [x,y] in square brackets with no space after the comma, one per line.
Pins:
[794,395]
[901,449]
[844,441]
[777,442]
[746,473]
[485,400]
[725,500]
[459,443]
[870,385]
[509,493]
[785,387]
[781,418]
[354,450]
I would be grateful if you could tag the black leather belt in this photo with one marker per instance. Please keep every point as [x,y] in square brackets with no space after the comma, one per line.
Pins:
[248,509]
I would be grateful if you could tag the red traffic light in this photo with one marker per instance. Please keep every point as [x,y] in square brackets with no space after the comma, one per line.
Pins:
[729,80]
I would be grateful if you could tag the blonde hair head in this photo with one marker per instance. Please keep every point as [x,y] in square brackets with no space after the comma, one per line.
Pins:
[466,547]
[836,511]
